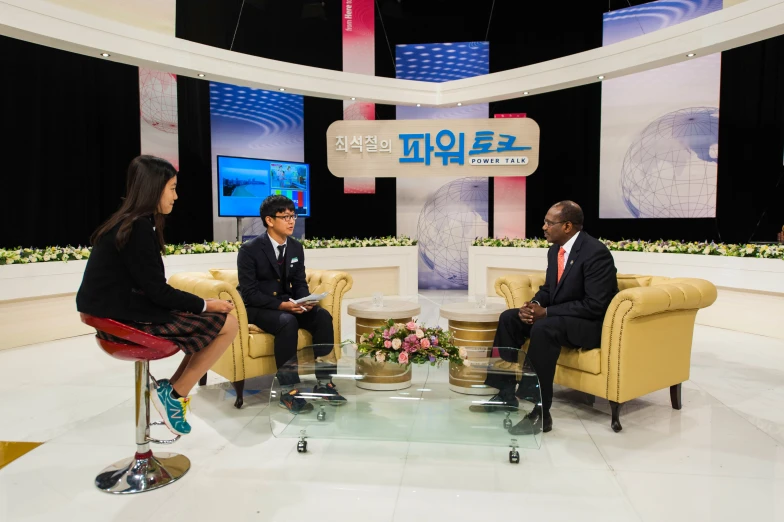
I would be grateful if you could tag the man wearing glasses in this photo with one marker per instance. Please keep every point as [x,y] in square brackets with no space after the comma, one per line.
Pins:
[272,273]
[568,310]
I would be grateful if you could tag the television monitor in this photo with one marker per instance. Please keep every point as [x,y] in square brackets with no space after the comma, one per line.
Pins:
[243,183]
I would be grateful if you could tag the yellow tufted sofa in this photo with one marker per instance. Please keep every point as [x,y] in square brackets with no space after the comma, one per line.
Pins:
[252,353]
[646,337]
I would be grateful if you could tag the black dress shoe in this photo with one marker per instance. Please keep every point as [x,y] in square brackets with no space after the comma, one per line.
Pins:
[495,403]
[533,423]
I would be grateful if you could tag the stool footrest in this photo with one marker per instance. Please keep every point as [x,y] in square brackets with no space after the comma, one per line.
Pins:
[161,441]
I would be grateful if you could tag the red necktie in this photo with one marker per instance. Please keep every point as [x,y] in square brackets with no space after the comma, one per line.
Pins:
[561,259]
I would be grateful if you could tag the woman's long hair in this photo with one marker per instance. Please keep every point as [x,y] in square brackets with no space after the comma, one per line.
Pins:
[147,177]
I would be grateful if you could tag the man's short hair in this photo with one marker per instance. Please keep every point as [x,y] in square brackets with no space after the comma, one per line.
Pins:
[571,211]
[274,204]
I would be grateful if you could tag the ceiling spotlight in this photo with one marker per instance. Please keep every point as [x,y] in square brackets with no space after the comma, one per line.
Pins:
[600,77]
[419,104]
[459,104]
[691,55]
[201,75]
[352,98]
[105,55]
[281,89]
[525,93]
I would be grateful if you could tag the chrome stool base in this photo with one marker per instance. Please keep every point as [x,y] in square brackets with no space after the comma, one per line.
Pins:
[142,473]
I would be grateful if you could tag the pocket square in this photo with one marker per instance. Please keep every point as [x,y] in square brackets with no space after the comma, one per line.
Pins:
[294,260]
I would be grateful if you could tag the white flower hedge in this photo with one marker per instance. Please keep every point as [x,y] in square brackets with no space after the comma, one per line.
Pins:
[20,256]
[771,251]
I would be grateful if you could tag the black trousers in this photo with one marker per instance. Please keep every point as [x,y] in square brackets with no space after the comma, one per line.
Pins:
[547,336]
[284,326]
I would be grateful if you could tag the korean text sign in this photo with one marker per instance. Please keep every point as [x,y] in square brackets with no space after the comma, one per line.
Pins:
[411,148]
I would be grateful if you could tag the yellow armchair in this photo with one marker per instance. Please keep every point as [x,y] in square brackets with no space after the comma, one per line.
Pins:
[646,338]
[252,353]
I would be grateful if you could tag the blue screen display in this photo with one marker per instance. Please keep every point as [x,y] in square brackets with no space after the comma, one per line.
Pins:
[243,183]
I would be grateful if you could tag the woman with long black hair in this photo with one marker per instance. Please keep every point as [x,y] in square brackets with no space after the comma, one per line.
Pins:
[125,280]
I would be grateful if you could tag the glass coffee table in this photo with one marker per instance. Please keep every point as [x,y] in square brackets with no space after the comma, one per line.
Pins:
[426,410]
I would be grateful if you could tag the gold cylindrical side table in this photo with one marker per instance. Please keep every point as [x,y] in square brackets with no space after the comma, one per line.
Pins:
[473,329]
[381,376]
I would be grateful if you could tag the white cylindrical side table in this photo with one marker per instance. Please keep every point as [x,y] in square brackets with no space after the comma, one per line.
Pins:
[382,376]
[473,329]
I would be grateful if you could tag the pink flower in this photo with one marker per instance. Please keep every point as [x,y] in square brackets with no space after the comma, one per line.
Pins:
[411,325]
[402,358]
[386,334]
[425,343]
[392,331]
[435,341]
[387,344]
[372,335]
[412,338]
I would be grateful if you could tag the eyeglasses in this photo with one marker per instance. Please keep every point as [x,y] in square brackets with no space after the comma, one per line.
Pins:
[287,217]
[548,224]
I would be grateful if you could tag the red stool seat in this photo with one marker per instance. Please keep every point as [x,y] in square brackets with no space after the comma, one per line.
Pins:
[144,471]
[141,346]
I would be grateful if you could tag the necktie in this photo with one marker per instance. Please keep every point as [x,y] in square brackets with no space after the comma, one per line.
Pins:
[561,262]
[282,262]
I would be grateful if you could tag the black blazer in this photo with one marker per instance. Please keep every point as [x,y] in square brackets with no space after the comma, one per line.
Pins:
[587,286]
[262,282]
[130,284]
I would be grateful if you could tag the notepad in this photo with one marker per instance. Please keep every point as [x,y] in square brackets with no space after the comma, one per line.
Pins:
[312,298]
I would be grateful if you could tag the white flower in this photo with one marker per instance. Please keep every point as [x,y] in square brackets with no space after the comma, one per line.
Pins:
[396,344]
[362,338]
[463,353]
[381,357]
[419,333]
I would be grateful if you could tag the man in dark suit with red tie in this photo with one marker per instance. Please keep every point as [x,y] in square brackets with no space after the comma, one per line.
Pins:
[568,310]
[271,270]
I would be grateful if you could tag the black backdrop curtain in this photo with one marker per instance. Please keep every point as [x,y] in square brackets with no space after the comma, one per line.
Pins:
[71,124]
[70,128]
[191,220]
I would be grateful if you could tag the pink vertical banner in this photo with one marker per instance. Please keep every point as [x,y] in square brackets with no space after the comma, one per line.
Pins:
[509,201]
[158,113]
[359,56]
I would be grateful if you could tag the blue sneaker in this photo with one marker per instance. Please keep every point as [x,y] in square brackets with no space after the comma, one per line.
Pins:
[171,410]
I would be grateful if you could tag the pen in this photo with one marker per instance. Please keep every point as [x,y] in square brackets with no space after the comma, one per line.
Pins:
[301,307]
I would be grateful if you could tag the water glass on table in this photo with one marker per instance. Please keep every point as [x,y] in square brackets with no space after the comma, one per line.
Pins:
[378,300]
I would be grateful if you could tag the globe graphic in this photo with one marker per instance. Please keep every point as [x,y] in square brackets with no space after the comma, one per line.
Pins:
[669,171]
[448,223]
[158,99]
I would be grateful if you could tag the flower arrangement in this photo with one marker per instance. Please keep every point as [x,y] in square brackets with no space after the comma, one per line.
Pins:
[409,343]
[771,251]
[19,256]
[36,255]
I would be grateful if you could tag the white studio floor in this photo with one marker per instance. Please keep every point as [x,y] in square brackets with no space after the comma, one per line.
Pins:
[720,458]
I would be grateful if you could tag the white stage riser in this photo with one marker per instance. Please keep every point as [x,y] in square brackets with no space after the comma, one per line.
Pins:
[737,273]
[394,269]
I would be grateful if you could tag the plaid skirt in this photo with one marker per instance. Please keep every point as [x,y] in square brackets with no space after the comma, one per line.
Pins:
[190,332]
